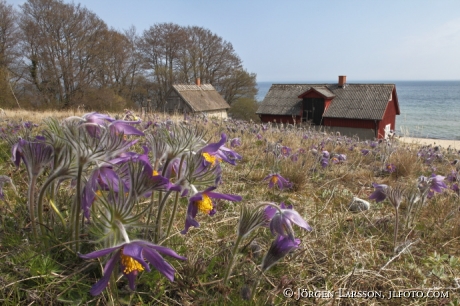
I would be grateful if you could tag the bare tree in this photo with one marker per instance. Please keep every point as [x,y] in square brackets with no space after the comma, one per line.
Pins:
[61,42]
[175,54]
[239,84]
[161,46]
[9,53]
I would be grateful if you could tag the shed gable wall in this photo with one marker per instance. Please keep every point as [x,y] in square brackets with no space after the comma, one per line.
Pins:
[388,118]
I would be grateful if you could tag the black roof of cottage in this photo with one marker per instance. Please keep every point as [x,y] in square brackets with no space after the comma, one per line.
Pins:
[353,101]
[202,97]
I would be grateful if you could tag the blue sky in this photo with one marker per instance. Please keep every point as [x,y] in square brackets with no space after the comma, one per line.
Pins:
[314,40]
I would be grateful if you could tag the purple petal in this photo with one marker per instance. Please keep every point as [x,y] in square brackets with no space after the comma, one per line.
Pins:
[295,217]
[192,210]
[379,194]
[132,279]
[100,253]
[159,263]
[125,128]
[163,250]
[214,147]
[270,211]
[222,196]
[97,288]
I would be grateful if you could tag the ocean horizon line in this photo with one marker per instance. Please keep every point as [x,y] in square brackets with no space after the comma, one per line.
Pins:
[353,81]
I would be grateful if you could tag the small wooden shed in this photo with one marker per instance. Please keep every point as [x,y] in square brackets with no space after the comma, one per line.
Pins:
[366,110]
[198,98]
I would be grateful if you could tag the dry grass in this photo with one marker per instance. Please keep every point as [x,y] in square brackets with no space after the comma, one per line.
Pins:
[348,251]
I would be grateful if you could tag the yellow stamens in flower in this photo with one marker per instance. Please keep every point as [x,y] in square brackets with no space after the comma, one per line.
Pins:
[98,193]
[274,179]
[205,205]
[130,264]
[211,158]
[154,173]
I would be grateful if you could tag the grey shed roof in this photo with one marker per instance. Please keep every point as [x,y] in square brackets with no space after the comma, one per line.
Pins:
[201,98]
[354,101]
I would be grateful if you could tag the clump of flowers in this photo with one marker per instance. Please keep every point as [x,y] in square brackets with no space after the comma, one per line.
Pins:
[280,219]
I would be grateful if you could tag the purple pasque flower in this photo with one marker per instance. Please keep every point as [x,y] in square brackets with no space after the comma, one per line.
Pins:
[390,168]
[133,257]
[432,184]
[277,179]
[228,155]
[202,201]
[279,248]
[281,220]
[16,154]
[437,183]
[285,151]
[365,151]
[338,158]
[103,178]
[215,152]
[143,179]
[93,121]
[29,125]
[36,154]
[125,127]
[380,192]
[97,118]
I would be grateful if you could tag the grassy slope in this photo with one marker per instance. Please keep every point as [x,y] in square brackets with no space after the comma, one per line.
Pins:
[345,250]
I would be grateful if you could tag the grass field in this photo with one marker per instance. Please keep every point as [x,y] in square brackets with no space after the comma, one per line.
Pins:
[366,257]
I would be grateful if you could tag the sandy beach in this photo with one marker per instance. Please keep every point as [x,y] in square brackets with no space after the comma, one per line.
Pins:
[426,141]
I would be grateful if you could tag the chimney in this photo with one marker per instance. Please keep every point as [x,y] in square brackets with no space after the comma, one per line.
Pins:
[342,80]
[198,82]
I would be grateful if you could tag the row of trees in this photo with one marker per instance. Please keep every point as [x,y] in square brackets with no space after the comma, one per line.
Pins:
[56,54]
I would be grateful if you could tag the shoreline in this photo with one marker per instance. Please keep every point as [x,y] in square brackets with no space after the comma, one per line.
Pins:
[445,143]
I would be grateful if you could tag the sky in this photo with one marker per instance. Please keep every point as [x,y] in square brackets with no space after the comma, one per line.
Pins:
[313,40]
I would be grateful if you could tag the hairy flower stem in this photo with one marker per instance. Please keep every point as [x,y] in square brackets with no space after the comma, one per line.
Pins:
[159,215]
[150,214]
[31,197]
[173,214]
[396,226]
[122,231]
[232,259]
[176,200]
[254,287]
[77,208]
[40,205]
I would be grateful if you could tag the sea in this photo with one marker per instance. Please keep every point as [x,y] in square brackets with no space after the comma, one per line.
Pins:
[429,109]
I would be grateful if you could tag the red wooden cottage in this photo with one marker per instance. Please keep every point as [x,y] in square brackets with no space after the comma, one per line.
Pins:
[365,110]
